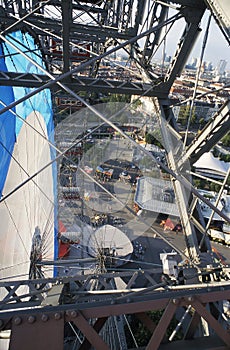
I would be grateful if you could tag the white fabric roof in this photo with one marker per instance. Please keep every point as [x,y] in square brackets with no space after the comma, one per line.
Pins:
[212,166]
[108,236]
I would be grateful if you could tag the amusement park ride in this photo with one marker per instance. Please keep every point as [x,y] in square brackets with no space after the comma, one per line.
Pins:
[71,42]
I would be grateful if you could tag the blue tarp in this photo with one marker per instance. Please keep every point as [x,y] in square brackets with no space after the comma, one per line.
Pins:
[7,127]
[99,169]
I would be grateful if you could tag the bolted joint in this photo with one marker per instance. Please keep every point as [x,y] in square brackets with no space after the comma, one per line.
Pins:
[57,316]
[73,313]
[31,319]
[17,321]
[190,299]
[44,318]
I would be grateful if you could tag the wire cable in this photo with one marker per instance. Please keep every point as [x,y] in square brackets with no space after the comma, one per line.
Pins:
[197,78]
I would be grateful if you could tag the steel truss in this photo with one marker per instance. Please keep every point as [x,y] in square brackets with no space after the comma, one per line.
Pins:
[100,33]
[113,23]
[213,132]
[84,84]
[201,300]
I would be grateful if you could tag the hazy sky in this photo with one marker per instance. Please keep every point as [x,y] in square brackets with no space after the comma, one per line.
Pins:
[217,47]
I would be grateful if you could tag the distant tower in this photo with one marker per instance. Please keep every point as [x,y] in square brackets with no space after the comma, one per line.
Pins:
[194,62]
[198,63]
[220,69]
[208,66]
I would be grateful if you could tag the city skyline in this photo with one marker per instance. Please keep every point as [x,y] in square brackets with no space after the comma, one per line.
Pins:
[216,48]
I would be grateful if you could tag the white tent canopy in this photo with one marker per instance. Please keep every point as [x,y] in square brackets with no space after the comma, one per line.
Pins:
[210,166]
[111,238]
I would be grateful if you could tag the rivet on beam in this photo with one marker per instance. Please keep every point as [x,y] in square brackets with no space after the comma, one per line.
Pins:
[190,299]
[57,316]
[17,320]
[31,319]
[74,314]
[175,301]
[44,318]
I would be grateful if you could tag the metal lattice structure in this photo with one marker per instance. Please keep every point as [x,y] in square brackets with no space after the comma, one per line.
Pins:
[76,39]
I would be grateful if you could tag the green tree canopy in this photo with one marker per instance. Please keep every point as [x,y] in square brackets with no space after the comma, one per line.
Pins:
[226,140]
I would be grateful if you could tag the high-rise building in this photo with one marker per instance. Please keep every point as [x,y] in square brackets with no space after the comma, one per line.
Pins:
[220,69]
[209,66]
[194,62]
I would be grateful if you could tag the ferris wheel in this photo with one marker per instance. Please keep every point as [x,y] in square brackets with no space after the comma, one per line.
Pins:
[99,226]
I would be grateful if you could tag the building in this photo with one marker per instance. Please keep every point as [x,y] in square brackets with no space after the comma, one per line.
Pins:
[220,69]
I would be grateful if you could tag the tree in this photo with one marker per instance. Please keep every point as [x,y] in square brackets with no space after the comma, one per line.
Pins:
[215,152]
[149,138]
[226,140]
[201,121]
[136,104]
[225,157]
[197,183]
[117,98]
[193,116]
[214,187]
[184,115]
[143,335]
[153,139]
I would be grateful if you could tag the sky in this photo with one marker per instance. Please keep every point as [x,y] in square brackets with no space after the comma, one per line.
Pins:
[217,47]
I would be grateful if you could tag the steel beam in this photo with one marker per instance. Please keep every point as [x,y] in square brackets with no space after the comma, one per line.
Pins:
[162,326]
[192,14]
[91,33]
[213,132]
[79,83]
[125,14]
[221,12]
[44,327]
[44,331]
[66,20]
[152,40]
[97,327]
[170,143]
[83,285]
[213,323]
[89,332]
